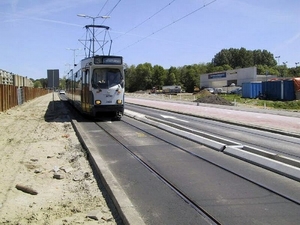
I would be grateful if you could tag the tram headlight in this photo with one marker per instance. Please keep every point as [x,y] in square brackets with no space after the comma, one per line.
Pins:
[98,102]
[119,101]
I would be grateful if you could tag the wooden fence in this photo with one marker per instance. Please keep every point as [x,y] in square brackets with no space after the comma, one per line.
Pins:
[11,96]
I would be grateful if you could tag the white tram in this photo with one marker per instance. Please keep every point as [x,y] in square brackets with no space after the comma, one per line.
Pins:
[96,86]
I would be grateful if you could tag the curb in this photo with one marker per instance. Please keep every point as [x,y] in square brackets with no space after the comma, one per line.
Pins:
[268,129]
[123,204]
[281,165]
[265,160]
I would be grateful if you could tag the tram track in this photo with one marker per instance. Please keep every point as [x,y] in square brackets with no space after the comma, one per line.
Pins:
[210,218]
[259,145]
[268,181]
[216,143]
[199,209]
[280,164]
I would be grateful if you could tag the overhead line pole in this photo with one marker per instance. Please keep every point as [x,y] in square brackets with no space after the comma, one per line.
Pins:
[93,31]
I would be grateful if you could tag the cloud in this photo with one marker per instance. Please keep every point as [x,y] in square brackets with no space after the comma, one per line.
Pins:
[14,4]
[55,21]
[287,43]
[20,10]
[293,39]
[39,8]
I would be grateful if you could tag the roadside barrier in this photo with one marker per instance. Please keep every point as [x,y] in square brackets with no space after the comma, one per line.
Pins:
[11,96]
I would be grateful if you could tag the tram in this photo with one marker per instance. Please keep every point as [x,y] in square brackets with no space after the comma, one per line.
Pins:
[96,86]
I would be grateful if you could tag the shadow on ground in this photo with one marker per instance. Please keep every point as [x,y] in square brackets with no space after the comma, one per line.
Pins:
[57,111]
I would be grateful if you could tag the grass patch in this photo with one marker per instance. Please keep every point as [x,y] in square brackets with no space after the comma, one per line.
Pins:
[284,105]
[287,105]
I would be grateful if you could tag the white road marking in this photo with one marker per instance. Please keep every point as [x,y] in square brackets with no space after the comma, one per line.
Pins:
[174,118]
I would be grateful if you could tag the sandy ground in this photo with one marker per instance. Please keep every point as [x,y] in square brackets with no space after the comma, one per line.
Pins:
[45,176]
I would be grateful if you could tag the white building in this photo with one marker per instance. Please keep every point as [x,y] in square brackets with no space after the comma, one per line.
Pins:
[228,78]
[232,78]
[8,78]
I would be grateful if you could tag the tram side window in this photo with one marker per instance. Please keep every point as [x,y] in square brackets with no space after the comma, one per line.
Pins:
[78,80]
[85,77]
[104,78]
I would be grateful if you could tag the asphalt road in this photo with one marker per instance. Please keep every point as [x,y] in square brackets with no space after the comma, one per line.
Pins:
[279,121]
[230,190]
[276,143]
[228,197]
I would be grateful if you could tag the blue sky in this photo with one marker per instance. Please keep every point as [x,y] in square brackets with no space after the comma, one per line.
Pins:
[35,34]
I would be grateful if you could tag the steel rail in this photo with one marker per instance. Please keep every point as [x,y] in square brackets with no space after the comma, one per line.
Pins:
[199,157]
[194,205]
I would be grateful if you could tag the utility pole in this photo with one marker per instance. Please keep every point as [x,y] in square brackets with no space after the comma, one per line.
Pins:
[277,57]
[74,56]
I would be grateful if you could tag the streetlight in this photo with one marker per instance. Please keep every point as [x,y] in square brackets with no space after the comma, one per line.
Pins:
[284,63]
[296,64]
[93,18]
[74,50]
[277,57]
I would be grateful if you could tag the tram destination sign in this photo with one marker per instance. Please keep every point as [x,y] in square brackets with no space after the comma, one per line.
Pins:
[115,60]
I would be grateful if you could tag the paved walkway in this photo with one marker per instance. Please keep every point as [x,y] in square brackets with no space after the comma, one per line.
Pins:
[280,121]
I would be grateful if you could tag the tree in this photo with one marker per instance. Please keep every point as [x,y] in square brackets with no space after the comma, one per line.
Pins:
[62,83]
[144,76]
[158,76]
[267,59]
[223,57]
[227,67]
[244,58]
[42,83]
[294,72]
[170,79]
[189,78]
[263,69]
[283,71]
[173,76]
[131,83]
[37,84]
[241,58]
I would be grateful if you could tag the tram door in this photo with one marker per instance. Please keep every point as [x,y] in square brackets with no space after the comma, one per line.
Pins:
[85,91]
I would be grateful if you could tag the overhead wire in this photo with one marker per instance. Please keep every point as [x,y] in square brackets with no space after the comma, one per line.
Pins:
[102,7]
[107,15]
[181,18]
[146,19]
[114,7]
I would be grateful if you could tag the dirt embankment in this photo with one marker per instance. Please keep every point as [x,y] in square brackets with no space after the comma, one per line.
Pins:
[46,178]
[205,96]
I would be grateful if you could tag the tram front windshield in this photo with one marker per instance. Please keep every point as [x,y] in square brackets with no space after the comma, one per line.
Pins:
[106,77]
